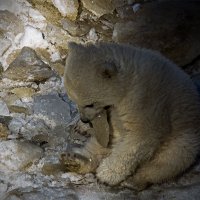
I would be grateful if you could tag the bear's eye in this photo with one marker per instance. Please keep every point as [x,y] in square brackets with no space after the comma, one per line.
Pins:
[89,106]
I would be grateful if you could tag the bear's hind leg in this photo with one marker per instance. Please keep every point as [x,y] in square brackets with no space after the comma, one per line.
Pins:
[173,158]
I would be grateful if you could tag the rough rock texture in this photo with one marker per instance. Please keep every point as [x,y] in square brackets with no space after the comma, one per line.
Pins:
[52,107]
[35,112]
[4,132]
[23,92]
[4,42]
[4,111]
[28,67]
[16,155]
[67,8]
[10,23]
[99,8]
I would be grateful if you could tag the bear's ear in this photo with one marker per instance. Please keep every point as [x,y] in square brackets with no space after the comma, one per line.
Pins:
[73,46]
[108,70]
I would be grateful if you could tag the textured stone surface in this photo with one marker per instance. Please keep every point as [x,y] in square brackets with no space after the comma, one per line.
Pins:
[4,42]
[4,132]
[52,107]
[23,92]
[175,35]
[67,8]
[1,69]
[75,29]
[58,67]
[4,111]
[101,7]
[16,155]
[10,23]
[28,67]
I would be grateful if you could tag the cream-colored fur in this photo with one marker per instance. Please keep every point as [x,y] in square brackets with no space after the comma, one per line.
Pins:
[154,110]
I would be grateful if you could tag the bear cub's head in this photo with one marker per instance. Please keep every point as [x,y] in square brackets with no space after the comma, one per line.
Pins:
[92,78]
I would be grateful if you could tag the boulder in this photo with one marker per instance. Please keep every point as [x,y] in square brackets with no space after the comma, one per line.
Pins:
[28,67]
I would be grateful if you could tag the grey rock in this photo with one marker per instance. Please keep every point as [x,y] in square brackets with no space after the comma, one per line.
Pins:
[5,43]
[52,107]
[1,69]
[176,35]
[28,67]
[57,35]
[43,193]
[101,7]
[16,124]
[16,155]
[5,119]
[75,28]
[189,192]
[10,23]
[4,111]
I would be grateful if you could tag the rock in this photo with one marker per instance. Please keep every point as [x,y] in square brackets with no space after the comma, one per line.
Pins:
[1,69]
[57,36]
[175,35]
[58,67]
[4,111]
[178,193]
[3,187]
[49,11]
[67,8]
[101,7]
[23,92]
[37,39]
[92,35]
[16,155]
[28,67]
[12,56]
[52,108]
[18,109]
[4,132]
[43,54]
[5,43]
[75,28]
[5,120]
[10,23]
[10,99]
[16,125]
[52,169]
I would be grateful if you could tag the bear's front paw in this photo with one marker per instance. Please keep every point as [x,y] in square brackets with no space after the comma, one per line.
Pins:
[73,162]
[134,185]
[106,174]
